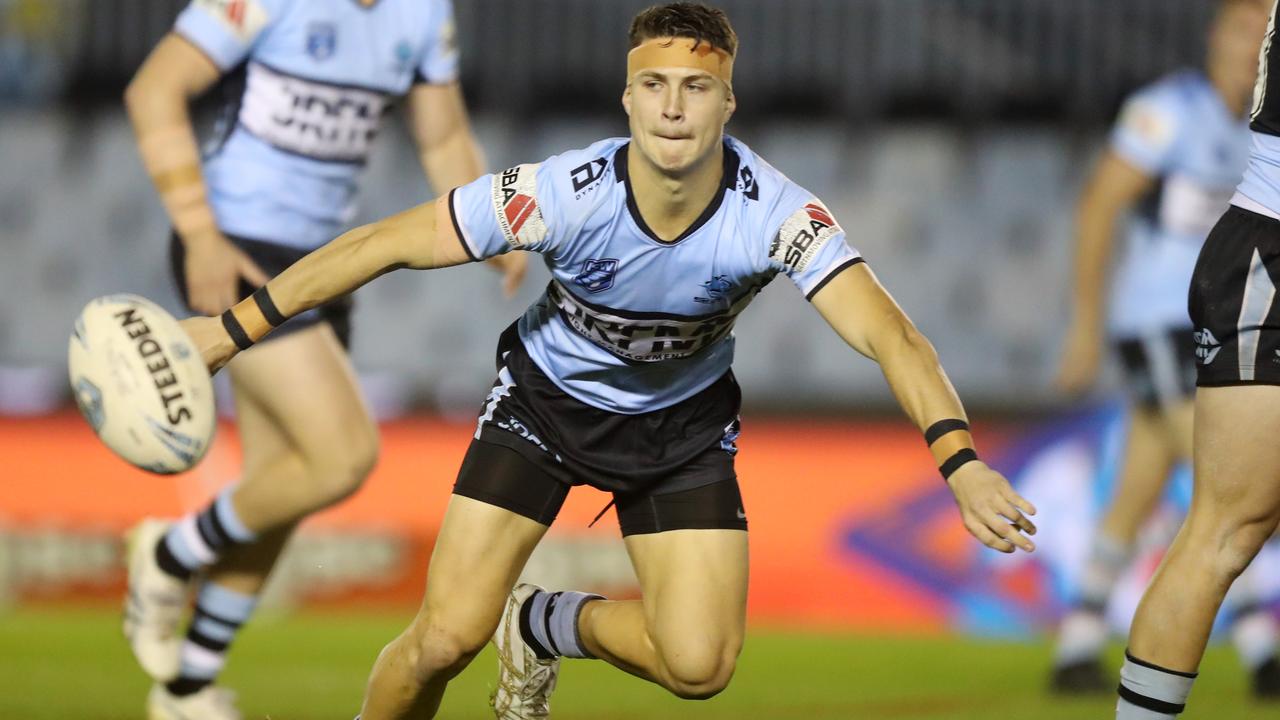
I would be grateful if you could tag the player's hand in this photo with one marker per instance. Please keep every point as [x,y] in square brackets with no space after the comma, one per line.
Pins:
[211,340]
[214,266]
[992,511]
[512,266]
[1081,360]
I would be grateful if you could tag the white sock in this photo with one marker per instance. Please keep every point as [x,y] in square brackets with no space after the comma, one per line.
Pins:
[1150,692]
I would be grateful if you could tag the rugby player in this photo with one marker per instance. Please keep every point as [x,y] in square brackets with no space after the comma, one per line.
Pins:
[1235,505]
[619,377]
[1175,157]
[308,83]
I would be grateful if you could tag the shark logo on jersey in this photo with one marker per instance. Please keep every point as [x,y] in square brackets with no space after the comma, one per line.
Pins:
[802,235]
[747,184]
[1207,346]
[717,289]
[597,275]
[322,40]
[515,204]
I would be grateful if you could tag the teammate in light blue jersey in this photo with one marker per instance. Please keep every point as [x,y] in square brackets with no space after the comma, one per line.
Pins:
[1175,156]
[619,378]
[309,82]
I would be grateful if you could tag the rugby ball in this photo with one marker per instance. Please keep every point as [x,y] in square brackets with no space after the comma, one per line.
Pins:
[141,384]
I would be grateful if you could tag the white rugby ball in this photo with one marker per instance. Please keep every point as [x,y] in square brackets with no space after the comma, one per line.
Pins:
[141,384]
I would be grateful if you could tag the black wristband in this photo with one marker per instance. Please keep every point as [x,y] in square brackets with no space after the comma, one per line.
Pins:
[942,427]
[953,463]
[236,330]
[268,307]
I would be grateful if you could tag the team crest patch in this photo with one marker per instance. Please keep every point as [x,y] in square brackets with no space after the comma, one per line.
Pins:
[597,275]
[515,204]
[322,40]
[802,235]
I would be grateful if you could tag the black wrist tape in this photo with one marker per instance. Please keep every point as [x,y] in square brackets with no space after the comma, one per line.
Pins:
[236,330]
[268,307]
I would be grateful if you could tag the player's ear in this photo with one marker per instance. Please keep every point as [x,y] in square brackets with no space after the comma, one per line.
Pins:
[626,99]
[730,105]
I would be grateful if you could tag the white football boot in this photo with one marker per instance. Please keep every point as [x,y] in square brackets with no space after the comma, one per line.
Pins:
[525,682]
[210,703]
[155,604]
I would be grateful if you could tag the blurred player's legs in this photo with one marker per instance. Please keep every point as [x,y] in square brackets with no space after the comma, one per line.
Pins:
[479,553]
[1156,442]
[1151,451]
[308,443]
[1234,510]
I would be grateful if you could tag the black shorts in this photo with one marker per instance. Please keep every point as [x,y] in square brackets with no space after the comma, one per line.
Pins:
[1160,367]
[669,469]
[1232,302]
[273,259]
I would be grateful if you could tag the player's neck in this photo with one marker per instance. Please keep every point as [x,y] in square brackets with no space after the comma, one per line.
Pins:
[669,205]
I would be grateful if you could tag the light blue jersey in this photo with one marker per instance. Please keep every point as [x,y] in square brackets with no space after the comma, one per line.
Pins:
[630,323]
[1179,131]
[319,75]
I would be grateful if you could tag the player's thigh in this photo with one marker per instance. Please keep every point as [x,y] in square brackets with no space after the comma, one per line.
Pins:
[478,555]
[1237,463]
[262,440]
[694,588]
[1179,423]
[304,384]
[1148,459]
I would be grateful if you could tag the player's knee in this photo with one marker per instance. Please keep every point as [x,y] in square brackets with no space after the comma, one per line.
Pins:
[341,468]
[441,650]
[699,675]
[1235,548]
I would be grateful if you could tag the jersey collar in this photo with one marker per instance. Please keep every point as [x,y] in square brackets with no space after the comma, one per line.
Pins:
[728,182]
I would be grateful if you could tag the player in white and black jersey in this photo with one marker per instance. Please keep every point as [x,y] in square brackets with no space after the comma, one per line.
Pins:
[1174,158]
[619,377]
[1235,505]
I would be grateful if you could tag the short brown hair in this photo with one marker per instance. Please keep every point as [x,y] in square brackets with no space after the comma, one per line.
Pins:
[695,21]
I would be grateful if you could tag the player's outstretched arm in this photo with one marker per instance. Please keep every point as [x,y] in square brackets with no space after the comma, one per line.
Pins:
[862,312]
[421,237]
[1114,188]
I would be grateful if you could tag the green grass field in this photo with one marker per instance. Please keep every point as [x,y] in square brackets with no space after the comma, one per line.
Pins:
[73,665]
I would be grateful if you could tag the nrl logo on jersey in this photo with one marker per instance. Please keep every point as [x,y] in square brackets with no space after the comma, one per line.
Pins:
[597,275]
[322,40]
[1207,346]
[802,235]
[515,205]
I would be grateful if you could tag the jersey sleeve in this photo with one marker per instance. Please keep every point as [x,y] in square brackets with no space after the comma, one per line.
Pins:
[1146,135]
[440,59]
[226,30]
[810,248]
[504,211]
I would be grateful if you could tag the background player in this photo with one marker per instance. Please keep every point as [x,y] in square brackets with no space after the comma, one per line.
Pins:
[308,83]
[619,377]
[1236,502]
[1175,157]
